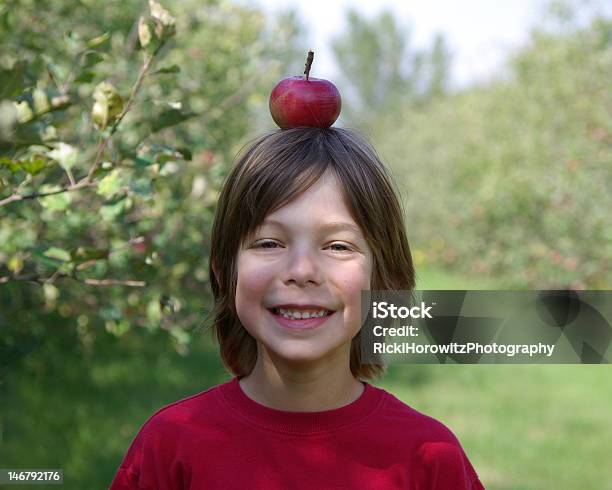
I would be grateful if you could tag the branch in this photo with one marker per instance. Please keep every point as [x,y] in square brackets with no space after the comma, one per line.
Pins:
[70,188]
[141,75]
[33,277]
[115,282]
[92,282]
[82,266]
[70,177]
[87,181]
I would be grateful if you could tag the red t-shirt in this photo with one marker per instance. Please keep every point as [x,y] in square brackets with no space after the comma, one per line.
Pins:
[222,439]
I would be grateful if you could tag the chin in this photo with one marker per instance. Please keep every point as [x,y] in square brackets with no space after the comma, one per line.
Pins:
[301,354]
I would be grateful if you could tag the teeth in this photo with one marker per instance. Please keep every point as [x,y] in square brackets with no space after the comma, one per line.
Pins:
[296,315]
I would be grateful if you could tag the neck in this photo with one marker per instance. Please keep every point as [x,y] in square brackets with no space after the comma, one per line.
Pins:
[304,388]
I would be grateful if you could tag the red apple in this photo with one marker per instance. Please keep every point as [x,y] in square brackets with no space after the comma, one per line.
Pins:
[304,101]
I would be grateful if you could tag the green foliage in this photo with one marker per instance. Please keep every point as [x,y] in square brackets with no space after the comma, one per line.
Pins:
[512,180]
[110,161]
[380,70]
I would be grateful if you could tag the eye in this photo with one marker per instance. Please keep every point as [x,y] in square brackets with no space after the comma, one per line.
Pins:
[266,244]
[340,247]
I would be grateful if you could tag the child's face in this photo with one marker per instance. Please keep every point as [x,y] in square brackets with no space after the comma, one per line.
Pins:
[298,257]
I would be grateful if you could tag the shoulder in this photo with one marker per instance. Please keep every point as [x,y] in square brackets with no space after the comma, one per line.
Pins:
[193,410]
[403,418]
[178,423]
[434,448]
[159,441]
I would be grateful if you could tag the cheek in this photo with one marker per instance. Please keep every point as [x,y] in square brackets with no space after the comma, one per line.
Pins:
[253,279]
[356,279]
[250,285]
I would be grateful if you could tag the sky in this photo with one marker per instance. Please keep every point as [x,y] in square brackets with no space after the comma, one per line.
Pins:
[480,33]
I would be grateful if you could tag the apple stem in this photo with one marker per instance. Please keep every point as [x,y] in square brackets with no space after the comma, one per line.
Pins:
[308,63]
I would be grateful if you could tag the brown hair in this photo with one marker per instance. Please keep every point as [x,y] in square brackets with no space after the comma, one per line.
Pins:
[275,169]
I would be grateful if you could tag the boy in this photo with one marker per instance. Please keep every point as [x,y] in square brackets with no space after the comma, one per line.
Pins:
[307,219]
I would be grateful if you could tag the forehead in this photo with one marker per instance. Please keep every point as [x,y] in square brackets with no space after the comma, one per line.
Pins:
[323,201]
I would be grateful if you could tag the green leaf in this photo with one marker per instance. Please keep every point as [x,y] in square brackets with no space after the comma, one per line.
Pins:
[98,41]
[9,118]
[13,80]
[110,212]
[168,69]
[44,260]
[41,101]
[160,154]
[160,13]
[55,202]
[4,18]
[28,134]
[60,102]
[181,336]
[111,184]
[141,162]
[165,23]
[66,155]
[142,187]
[110,312]
[153,311]
[24,111]
[108,105]
[171,117]
[85,76]
[186,152]
[57,253]
[34,166]
[144,32]
[117,328]
[91,58]
[12,165]
[86,253]
[74,42]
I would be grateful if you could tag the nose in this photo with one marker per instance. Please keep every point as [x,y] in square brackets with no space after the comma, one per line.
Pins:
[302,268]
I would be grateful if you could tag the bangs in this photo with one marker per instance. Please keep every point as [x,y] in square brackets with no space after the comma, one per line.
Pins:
[278,177]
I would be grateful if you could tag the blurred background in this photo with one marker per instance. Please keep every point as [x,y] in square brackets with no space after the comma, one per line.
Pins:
[495,119]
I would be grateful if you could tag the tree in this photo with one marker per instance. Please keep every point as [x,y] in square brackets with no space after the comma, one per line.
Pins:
[110,160]
[382,71]
[439,67]
[509,180]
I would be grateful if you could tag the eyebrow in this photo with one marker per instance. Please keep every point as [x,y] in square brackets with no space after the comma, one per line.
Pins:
[331,226]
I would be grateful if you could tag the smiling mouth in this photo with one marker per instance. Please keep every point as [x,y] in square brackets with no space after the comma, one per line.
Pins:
[300,315]
[291,322]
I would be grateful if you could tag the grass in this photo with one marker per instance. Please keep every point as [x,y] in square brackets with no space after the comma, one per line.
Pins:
[523,426]
[430,277]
